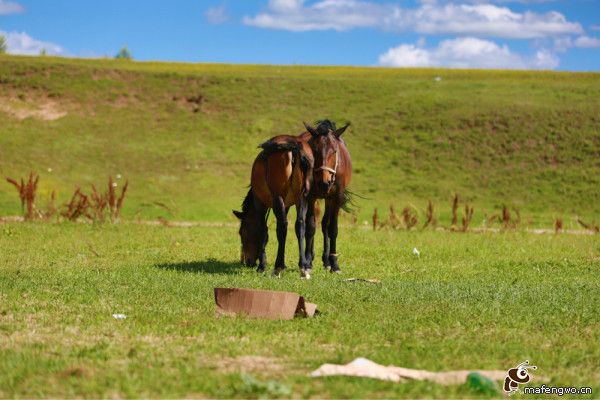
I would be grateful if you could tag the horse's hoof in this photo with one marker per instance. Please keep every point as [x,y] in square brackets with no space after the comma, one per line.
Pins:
[304,274]
[335,271]
[260,270]
[278,273]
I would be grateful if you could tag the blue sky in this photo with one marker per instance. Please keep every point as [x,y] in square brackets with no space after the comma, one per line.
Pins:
[524,34]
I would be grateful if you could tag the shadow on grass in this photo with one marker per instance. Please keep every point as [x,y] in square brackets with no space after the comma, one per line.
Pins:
[209,266]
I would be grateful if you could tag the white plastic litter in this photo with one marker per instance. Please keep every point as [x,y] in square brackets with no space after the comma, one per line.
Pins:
[416,252]
[362,367]
[119,316]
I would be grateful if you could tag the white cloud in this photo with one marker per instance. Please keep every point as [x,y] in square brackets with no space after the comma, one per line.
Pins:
[216,15]
[429,18]
[22,43]
[468,52]
[339,15]
[490,20]
[586,41]
[406,55]
[10,7]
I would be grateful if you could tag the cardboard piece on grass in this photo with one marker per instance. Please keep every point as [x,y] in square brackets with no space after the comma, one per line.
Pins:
[362,367]
[265,304]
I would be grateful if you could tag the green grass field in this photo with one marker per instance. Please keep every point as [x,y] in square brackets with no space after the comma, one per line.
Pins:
[530,140]
[470,301]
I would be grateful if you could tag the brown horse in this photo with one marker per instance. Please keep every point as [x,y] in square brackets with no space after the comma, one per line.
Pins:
[281,177]
[331,178]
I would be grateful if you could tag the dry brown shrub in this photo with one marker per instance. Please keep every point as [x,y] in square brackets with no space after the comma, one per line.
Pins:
[590,227]
[429,216]
[409,217]
[454,210]
[96,206]
[393,219]
[558,225]
[27,193]
[375,219]
[467,216]
[78,206]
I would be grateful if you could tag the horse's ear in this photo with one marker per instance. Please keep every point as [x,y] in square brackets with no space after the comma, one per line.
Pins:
[238,214]
[339,132]
[310,129]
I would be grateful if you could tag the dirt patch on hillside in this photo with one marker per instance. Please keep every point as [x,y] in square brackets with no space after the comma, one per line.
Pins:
[46,110]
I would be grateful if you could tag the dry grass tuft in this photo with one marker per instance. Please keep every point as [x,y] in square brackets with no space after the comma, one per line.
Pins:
[505,216]
[115,203]
[454,210]
[508,222]
[467,216]
[77,207]
[558,225]
[590,227]
[96,206]
[375,219]
[27,193]
[393,219]
[409,217]
[429,216]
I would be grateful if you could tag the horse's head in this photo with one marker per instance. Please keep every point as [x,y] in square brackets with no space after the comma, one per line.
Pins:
[250,232]
[325,143]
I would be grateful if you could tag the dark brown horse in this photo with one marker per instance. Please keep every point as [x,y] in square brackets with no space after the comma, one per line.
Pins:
[282,176]
[331,176]
[280,179]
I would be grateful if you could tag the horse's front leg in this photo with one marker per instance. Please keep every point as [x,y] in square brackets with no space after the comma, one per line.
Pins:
[301,211]
[325,230]
[311,228]
[332,231]
[282,224]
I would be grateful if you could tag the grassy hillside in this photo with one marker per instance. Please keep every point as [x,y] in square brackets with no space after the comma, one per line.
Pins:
[528,139]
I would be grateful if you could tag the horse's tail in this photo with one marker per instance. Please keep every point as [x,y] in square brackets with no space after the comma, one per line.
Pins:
[348,201]
[298,154]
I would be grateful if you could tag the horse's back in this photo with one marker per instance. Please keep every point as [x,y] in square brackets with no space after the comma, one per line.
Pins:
[276,173]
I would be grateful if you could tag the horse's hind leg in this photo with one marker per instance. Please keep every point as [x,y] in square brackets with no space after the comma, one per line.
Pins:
[282,223]
[301,210]
[311,227]
[262,257]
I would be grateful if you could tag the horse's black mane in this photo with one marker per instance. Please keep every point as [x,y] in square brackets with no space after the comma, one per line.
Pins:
[247,203]
[324,126]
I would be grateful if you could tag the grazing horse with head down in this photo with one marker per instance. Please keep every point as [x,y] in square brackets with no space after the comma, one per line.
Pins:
[282,176]
[280,179]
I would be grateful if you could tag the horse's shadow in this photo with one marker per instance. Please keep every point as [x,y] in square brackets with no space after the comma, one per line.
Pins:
[208,266]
